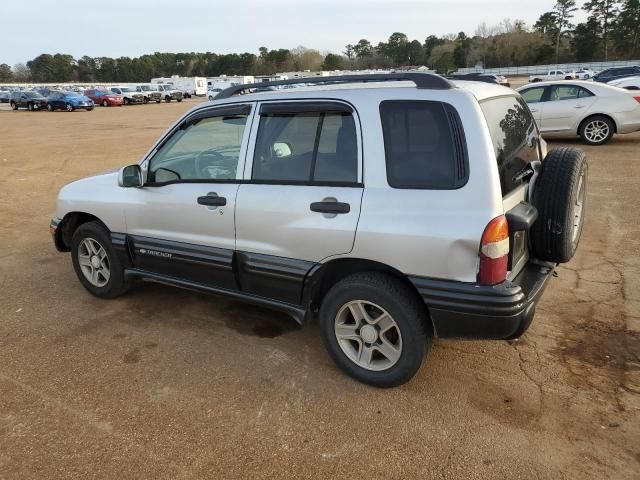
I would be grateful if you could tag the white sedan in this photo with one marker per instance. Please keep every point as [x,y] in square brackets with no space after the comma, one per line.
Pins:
[593,111]
[630,83]
[584,73]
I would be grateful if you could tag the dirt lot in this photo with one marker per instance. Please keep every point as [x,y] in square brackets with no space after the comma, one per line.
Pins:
[165,383]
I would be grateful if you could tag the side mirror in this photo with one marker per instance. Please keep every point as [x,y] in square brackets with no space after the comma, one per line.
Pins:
[130,176]
[281,150]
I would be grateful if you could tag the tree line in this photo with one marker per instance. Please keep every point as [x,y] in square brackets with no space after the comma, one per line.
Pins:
[610,32]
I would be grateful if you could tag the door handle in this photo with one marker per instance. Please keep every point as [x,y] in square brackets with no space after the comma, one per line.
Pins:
[330,207]
[579,106]
[534,110]
[212,201]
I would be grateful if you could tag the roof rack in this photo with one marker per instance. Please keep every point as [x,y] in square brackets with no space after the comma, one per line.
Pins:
[422,81]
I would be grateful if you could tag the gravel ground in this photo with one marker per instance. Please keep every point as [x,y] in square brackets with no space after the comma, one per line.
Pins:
[165,383]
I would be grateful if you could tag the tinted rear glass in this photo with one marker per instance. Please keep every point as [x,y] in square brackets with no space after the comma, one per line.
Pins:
[424,145]
[513,131]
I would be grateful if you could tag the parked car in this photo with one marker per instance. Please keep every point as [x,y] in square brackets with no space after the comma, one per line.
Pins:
[593,111]
[169,92]
[4,96]
[617,72]
[69,101]
[27,99]
[384,245]
[104,97]
[551,75]
[150,93]
[130,94]
[481,77]
[213,92]
[628,83]
[584,73]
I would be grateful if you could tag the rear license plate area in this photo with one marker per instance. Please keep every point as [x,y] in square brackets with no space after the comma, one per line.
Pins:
[517,248]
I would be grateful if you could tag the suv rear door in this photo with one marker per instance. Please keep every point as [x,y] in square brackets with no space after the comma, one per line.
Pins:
[517,145]
[300,199]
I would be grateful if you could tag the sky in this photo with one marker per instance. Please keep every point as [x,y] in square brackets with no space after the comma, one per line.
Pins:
[115,28]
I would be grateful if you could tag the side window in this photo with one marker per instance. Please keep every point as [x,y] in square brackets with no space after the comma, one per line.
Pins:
[424,145]
[583,93]
[564,92]
[533,95]
[515,138]
[207,149]
[306,147]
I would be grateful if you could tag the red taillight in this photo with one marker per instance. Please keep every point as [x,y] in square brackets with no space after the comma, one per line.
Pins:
[494,252]
[637,99]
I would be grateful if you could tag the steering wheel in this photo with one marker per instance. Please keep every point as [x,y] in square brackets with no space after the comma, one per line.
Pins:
[218,159]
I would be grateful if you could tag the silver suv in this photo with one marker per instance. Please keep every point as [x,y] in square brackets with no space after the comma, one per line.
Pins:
[401,207]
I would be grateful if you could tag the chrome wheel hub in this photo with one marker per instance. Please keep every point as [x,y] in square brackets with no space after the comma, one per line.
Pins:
[596,131]
[368,335]
[94,263]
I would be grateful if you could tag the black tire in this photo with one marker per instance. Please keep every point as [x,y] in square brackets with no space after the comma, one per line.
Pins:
[146,100]
[178,100]
[126,101]
[589,122]
[49,107]
[407,310]
[116,285]
[89,109]
[167,98]
[561,183]
[14,106]
[69,108]
[105,103]
[30,106]
[158,101]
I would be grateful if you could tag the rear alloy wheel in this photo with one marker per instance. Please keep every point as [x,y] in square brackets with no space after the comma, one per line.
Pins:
[105,103]
[14,106]
[560,195]
[374,328]
[68,107]
[126,101]
[30,106]
[49,107]
[96,264]
[596,130]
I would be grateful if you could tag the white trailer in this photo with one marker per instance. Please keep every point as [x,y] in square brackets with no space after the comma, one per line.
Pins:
[187,85]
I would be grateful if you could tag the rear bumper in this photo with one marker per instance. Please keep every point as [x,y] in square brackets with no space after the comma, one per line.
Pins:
[468,310]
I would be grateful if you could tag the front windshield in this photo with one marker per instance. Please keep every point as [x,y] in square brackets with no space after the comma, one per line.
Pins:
[33,95]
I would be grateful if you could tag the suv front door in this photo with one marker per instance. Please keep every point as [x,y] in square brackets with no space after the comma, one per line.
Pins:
[300,200]
[181,223]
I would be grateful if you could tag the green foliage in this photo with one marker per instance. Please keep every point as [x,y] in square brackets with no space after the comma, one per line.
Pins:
[6,75]
[332,62]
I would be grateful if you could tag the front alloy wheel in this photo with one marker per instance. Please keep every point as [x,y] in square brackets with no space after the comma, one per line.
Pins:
[94,263]
[105,103]
[69,107]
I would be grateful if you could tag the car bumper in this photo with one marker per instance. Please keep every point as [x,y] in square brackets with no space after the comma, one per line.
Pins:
[82,105]
[468,310]
[55,232]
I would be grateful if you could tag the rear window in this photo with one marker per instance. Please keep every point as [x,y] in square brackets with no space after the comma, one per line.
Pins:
[515,138]
[424,145]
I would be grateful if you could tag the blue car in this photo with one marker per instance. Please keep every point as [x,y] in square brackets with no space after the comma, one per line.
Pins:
[68,101]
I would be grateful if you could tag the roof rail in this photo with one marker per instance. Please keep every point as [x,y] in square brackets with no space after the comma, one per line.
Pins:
[422,81]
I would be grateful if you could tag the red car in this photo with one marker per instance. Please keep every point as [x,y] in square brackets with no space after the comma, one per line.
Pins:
[104,97]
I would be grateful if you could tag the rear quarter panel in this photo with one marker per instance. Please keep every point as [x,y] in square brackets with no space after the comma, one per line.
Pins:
[429,233]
